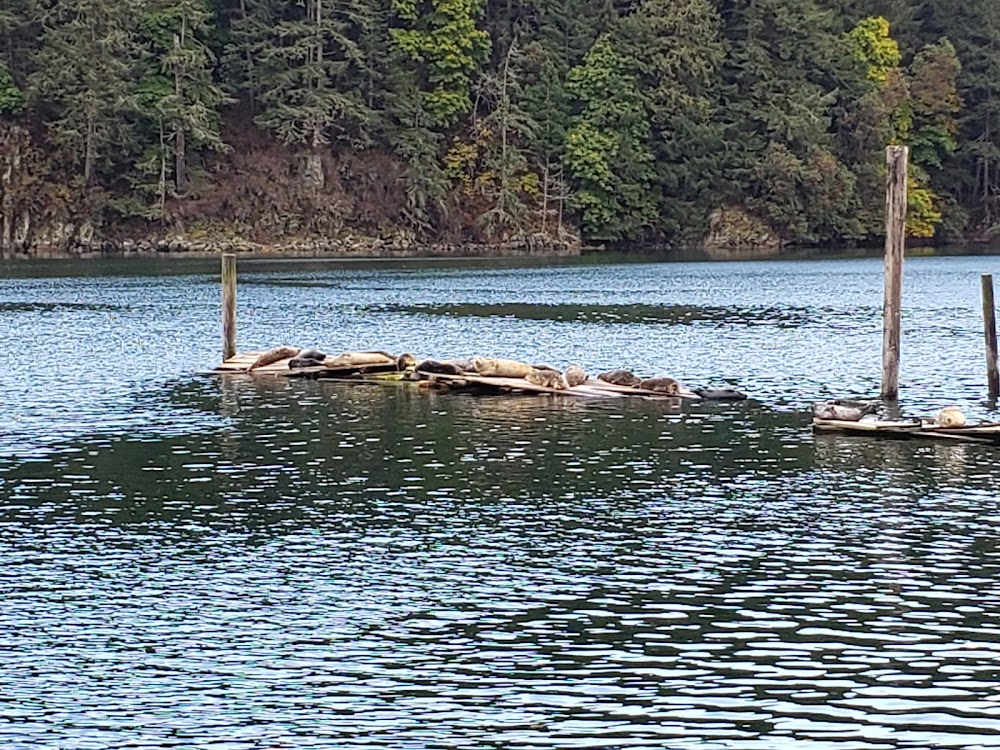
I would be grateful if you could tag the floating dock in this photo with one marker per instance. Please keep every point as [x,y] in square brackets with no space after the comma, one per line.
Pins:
[984,432]
[386,373]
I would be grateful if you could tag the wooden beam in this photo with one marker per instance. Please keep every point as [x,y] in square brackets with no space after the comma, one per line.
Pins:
[895,238]
[228,306]
[990,329]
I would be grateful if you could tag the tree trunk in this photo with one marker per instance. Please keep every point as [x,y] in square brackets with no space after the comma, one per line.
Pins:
[88,151]
[180,142]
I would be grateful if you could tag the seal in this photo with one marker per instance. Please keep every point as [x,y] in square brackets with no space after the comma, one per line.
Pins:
[844,410]
[721,394]
[436,367]
[575,376]
[550,368]
[299,362]
[360,359]
[465,365]
[405,361]
[274,355]
[620,377]
[547,379]
[500,368]
[661,385]
[312,354]
[950,416]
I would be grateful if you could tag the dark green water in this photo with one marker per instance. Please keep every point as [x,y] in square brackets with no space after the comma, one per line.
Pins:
[189,562]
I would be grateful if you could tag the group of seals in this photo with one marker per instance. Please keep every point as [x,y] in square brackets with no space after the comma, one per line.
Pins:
[542,375]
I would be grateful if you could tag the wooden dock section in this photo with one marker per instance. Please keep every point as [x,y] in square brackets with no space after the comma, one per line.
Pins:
[985,432]
[385,373]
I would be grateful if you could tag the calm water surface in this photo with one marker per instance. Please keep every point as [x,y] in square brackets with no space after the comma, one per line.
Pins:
[192,562]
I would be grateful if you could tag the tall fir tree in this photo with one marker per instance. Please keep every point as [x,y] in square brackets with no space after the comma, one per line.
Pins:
[178,91]
[85,78]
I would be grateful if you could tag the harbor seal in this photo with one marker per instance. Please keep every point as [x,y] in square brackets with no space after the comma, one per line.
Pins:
[307,358]
[360,359]
[465,365]
[668,386]
[435,367]
[721,394]
[844,410]
[405,361]
[547,379]
[274,355]
[575,376]
[620,377]
[500,368]
[950,416]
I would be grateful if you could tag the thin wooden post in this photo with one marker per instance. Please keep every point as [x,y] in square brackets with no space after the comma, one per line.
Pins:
[228,306]
[895,236]
[990,327]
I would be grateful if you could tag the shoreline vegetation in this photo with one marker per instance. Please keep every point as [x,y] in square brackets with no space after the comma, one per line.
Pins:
[401,128]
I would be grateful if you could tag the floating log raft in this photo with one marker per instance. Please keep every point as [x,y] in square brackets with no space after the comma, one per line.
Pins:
[386,372]
[985,432]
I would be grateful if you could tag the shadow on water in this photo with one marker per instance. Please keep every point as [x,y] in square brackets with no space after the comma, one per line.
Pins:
[603,314]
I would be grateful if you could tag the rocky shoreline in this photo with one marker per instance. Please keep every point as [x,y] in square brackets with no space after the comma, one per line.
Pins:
[353,247]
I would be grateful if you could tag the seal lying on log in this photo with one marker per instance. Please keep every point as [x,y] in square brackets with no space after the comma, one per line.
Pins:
[575,376]
[950,416]
[405,361]
[465,365]
[721,394]
[668,386]
[435,367]
[547,379]
[492,367]
[844,409]
[620,377]
[307,358]
[274,355]
[360,359]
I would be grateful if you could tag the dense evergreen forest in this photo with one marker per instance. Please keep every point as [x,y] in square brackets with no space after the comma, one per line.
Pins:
[659,121]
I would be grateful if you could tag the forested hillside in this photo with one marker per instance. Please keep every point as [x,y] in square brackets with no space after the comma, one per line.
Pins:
[666,121]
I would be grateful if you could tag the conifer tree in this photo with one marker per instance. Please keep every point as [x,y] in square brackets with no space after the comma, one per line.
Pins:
[85,77]
[178,92]
[608,147]
[677,50]
[308,72]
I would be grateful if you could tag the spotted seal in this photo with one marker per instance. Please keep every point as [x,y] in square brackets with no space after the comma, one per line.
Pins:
[547,379]
[307,358]
[360,359]
[436,367]
[668,386]
[950,416]
[721,394]
[575,376]
[620,377]
[274,355]
[501,368]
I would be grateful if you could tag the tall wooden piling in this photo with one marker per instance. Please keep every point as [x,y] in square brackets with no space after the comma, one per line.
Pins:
[990,328]
[228,306]
[895,237]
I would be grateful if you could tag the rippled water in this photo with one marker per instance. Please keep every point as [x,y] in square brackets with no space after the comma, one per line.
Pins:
[188,562]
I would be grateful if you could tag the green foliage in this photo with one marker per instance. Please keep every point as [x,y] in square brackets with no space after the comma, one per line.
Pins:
[874,47]
[11,98]
[441,39]
[608,148]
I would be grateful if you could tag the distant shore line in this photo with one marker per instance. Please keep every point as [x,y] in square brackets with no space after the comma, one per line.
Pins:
[535,246]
